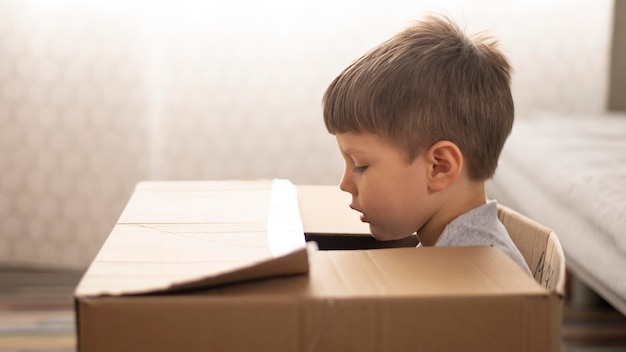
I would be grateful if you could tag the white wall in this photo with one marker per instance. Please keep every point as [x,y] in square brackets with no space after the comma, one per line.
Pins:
[95,96]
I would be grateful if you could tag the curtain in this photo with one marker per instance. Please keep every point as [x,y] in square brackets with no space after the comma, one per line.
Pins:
[97,96]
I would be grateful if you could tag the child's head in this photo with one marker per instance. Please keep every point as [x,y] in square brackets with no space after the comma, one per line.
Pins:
[420,121]
[426,84]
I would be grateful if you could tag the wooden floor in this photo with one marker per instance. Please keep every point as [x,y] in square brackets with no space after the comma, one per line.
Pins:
[36,314]
[593,328]
[36,310]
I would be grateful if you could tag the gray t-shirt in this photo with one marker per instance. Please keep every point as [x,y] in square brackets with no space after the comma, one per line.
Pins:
[481,226]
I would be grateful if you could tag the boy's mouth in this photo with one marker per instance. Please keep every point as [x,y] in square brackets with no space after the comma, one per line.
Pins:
[363,217]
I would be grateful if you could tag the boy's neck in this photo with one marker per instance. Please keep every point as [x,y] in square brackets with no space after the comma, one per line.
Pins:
[453,203]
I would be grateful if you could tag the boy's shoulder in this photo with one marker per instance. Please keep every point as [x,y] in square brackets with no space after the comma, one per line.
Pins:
[475,227]
[481,227]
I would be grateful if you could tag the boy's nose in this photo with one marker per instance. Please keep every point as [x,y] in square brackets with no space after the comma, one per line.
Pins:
[346,184]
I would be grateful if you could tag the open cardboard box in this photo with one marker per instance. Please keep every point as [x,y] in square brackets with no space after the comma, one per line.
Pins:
[224,266]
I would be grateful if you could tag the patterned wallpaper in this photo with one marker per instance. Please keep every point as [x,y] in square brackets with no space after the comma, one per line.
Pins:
[96,96]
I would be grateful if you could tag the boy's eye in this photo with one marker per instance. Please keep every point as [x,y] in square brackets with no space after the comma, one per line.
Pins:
[359,169]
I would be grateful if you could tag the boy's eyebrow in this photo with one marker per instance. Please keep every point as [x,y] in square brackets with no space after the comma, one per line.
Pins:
[352,151]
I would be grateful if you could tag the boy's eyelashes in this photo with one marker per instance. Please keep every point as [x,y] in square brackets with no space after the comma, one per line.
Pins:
[359,169]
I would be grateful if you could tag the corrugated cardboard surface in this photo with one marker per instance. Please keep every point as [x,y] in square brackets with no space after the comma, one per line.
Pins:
[176,235]
[429,299]
[326,210]
[191,266]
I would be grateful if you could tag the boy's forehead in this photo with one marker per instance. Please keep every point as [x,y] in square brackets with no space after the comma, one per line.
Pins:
[350,141]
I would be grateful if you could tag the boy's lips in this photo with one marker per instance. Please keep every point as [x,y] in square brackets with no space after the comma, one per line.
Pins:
[363,216]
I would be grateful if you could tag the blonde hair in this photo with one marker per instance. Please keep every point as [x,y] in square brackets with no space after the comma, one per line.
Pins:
[426,84]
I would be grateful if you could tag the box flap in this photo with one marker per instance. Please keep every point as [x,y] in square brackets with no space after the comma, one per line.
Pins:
[182,235]
[423,271]
[539,246]
[326,210]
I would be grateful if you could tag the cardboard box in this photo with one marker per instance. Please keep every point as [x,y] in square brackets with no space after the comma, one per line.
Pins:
[151,294]
[176,235]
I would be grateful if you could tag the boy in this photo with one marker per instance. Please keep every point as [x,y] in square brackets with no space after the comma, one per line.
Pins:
[420,121]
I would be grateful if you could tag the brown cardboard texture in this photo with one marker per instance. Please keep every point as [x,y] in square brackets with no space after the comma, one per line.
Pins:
[180,272]
[179,235]
[426,299]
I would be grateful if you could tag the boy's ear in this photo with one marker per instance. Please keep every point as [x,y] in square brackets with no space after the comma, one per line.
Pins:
[445,165]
